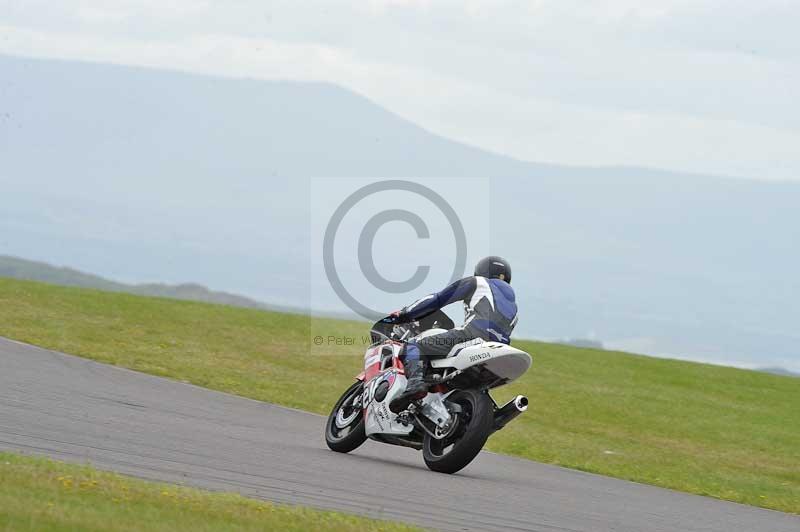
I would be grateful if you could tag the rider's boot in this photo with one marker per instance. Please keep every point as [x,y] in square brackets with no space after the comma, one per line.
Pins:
[415,387]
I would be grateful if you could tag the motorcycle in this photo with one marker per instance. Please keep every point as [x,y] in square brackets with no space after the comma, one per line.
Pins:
[456,417]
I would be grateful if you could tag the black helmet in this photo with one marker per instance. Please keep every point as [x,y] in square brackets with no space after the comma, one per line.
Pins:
[494,268]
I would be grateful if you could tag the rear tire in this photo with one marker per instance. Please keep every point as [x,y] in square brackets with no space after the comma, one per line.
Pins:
[344,429]
[475,425]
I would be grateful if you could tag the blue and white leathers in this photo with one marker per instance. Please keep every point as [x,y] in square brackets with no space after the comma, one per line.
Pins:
[490,311]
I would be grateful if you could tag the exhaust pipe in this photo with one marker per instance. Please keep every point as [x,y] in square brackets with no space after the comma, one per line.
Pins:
[509,411]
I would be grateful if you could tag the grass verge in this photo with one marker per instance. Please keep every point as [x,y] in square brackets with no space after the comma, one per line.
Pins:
[722,432]
[44,495]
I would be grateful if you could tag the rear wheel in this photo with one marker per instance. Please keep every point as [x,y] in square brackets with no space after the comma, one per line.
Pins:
[344,429]
[473,425]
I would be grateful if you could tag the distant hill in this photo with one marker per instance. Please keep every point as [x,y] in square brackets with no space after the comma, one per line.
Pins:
[144,174]
[581,342]
[779,371]
[18,268]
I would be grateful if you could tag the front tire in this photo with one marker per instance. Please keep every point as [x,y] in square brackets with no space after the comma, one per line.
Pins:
[344,429]
[474,426]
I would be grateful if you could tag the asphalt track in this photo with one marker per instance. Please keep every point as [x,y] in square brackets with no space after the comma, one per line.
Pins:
[78,410]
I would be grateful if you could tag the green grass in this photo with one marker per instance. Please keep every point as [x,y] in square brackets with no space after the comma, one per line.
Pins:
[723,432]
[41,495]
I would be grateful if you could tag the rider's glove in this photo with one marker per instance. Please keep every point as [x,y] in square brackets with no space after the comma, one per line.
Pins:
[397,316]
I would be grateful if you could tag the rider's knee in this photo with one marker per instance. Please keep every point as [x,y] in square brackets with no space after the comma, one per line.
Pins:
[411,350]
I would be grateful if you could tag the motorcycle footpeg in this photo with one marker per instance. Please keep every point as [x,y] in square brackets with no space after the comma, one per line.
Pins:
[406,404]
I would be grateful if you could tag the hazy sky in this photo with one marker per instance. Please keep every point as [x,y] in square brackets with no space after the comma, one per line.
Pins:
[707,86]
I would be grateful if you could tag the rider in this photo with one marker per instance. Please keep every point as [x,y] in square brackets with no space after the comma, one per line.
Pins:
[490,313]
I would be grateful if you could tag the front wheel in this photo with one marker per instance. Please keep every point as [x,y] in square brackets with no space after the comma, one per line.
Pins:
[344,429]
[473,425]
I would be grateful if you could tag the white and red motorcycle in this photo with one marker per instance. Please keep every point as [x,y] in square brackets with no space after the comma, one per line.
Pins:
[452,422]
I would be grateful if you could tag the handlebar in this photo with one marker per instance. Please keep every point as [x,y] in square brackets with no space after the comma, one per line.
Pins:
[391,328]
